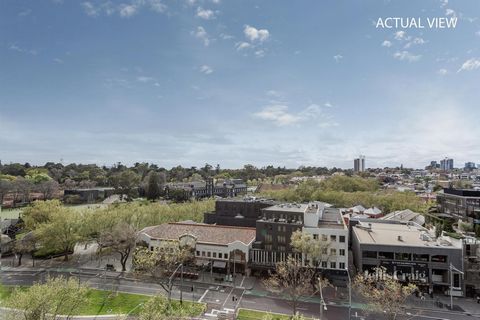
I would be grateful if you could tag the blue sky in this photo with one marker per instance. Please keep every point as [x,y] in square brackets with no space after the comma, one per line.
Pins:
[286,83]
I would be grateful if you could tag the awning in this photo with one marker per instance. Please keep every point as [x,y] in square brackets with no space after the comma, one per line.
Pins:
[219,264]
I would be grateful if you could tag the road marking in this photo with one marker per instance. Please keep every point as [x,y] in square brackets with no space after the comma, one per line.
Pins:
[203,296]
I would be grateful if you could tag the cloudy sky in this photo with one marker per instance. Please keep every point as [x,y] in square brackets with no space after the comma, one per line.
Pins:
[286,83]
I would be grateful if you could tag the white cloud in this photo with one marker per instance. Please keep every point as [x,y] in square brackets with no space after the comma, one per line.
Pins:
[337,57]
[242,45]
[399,35]
[477,33]
[201,33]
[90,9]
[328,104]
[206,14]
[443,3]
[16,48]
[260,53]
[406,56]
[470,64]
[125,10]
[145,79]
[128,10]
[280,115]
[387,44]
[205,69]
[216,1]
[58,60]
[415,41]
[225,36]
[450,12]
[254,34]
[442,72]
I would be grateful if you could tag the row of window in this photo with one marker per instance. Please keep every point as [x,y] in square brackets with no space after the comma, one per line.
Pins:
[403,256]
[333,238]
[210,254]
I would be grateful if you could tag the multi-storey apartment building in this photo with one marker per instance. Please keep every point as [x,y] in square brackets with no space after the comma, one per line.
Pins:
[275,228]
[460,203]
[409,252]
[237,212]
[359,164]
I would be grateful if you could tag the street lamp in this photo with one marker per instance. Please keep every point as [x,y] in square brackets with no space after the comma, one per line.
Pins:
[323,306]
[349,294]
[451,268]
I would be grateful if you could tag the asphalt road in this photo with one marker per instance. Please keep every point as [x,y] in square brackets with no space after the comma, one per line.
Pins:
[219,297]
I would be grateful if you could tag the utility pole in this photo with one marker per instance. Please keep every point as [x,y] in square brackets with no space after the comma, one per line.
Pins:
[349,294]
[323,306]
[451,268]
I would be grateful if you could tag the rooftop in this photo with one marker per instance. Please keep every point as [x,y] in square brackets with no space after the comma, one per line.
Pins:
[289,207]
[204,233]
[332,218]
[398,235]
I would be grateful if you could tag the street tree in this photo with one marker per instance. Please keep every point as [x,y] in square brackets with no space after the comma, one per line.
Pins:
[315,251]
[383,293]
[40,212]
[291,279]
[159,308]
[25,244]
[58,296]
[60,233]
[121,240]
[162,262]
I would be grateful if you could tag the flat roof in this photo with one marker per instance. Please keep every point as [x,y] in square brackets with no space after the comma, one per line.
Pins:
[289,207]
[388,234]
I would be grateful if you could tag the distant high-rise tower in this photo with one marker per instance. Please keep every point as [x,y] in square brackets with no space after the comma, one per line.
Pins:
[359,164]
[446,164]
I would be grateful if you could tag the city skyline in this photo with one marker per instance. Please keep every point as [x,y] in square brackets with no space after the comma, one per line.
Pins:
[192,82]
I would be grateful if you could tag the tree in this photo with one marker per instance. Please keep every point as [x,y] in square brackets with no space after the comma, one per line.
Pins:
[121,240]
[154,185]
[159,308]
[60,233]
[383,293]
[291,279]
[313,250]
[25,244]
[5,187]
[40,212]
[48,189]
[125,183]
[58,296]
[162,262]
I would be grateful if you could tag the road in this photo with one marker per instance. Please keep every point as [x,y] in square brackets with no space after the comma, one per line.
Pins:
[216,296]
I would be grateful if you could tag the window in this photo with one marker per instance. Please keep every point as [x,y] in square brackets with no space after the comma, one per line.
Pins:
[333,252]
[268,247]
[342,238]
[341,265]
[341,252]
[324,264]
[198,253]
[281,239]
[315,237]
[281,248]
[439,258]
[420,257]
[220,255]
[209,254]
[225,255]
[333,265]
[403,256]
[369,254]
[324,237]
[268,238]
[333,238]
[385,255]
[214,254]
[324,251]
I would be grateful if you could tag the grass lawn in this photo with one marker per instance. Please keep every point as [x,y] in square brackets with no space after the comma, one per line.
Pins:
[246,314]
[10,213]
[106,302]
